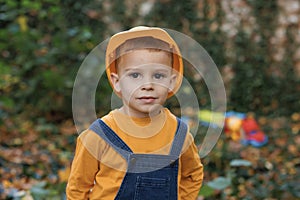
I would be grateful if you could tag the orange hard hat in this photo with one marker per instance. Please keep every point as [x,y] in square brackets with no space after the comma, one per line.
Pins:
[138,32]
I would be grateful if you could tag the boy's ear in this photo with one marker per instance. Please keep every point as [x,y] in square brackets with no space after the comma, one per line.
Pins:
[115,81]
[172,82]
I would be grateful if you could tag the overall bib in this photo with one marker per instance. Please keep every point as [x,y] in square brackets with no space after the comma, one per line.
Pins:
[148,176]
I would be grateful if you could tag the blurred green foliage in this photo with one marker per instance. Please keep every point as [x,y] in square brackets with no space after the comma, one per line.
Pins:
[254,87]
[42,46]
[44,42]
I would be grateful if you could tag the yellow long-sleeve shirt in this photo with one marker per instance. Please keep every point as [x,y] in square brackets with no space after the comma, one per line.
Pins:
[98,170]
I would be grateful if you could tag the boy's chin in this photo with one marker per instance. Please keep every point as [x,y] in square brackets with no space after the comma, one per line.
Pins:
[154,110]
[148,111]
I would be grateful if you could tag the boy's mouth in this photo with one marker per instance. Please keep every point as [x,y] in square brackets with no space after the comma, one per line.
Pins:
[147,99]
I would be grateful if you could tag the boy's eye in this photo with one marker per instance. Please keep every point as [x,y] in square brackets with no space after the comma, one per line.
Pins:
[159,76]
[134,75]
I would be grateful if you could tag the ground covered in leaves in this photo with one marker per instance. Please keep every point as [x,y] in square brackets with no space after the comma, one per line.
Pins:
[35,161]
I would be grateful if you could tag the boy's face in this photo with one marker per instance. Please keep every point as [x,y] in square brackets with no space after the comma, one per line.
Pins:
[144,80]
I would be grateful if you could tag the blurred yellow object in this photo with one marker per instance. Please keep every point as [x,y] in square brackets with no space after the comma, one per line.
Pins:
[210,117]
[6,184]
[233,127]
[22,21]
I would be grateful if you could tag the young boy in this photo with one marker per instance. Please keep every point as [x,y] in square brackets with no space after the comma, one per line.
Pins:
[140,151]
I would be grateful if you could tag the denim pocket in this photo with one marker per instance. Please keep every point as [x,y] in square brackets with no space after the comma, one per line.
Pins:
[152,188]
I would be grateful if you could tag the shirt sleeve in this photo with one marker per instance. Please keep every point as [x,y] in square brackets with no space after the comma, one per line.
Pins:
[191,171]
[84,167]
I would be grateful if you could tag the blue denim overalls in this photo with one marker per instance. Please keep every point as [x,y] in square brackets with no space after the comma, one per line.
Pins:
[148,176]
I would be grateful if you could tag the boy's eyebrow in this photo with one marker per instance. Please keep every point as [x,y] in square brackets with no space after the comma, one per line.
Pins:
[137,67]
[163,70]
[131,69]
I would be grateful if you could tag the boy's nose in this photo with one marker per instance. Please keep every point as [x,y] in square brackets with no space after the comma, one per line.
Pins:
[147,86]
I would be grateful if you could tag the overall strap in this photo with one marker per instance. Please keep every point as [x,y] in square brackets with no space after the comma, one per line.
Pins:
[109,136]
[179,138]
